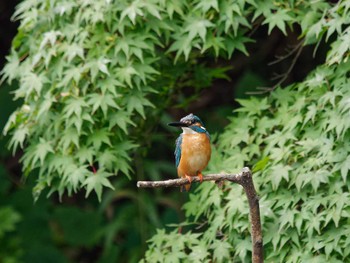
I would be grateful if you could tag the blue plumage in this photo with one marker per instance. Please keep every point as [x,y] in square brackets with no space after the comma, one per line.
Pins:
[178,150]
[199,130]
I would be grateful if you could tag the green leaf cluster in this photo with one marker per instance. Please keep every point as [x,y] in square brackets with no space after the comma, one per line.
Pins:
[297,141]
[10,250]
[88,71]
[91,72]
[42,232]
[301,148]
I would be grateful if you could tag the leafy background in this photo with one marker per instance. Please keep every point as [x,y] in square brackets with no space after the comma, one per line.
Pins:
[95,83]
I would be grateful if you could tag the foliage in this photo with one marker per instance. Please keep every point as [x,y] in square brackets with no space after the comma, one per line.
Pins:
[41,232]
[10,251]
[86,76]
[298,141]
[301,136]
[94,80]
[86,71]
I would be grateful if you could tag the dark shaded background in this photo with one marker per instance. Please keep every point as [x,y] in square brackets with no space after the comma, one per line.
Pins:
[81,230]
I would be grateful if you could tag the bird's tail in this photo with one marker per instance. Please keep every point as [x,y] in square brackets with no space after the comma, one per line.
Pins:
[185,187]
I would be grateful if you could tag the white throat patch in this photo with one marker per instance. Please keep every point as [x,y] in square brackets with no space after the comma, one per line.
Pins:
[188,130]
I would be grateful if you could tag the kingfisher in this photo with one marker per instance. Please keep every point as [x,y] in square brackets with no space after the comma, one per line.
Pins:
[192,150]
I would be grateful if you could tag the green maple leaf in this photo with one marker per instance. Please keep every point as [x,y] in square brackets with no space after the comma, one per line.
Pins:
[278,19]
[182,44]
[199,252]
[132,11]
[18,137]
[69,136]
[74,105]
[138,102]
[122,119]
[74,50]
[99,137]
[279,171]
[96,182]
[198,27]
[75,175]
[253,106]
[221,250]
[85,154]
[125,74]
[206,5]
[236,43]
[41,150]
[107,159]
[102,101]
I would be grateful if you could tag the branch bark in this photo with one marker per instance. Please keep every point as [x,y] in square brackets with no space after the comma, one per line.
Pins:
[245,179]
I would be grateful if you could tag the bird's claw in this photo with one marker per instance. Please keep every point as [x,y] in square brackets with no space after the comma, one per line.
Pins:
[189,178]
[200,175]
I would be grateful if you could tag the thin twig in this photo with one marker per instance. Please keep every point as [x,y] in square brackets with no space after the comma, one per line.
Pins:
[245,179]
[289,53]
[256,25]
[297,49]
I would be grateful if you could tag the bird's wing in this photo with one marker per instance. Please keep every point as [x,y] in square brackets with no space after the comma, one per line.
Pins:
[208,135]
[178,150]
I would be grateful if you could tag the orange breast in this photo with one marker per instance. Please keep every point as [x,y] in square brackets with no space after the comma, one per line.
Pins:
[195,154]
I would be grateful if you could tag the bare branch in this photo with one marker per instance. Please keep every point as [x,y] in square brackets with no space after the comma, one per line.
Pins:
[236,178]
[245,179]
[254,214]
[297,49]
[289,53]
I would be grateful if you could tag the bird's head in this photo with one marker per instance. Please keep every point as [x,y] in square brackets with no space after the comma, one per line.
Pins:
[190,124]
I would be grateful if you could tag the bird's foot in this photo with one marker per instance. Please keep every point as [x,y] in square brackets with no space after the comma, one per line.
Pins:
[189,178]
[200,175]
[187,186]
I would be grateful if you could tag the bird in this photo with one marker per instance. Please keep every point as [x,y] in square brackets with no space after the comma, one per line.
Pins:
[192,148]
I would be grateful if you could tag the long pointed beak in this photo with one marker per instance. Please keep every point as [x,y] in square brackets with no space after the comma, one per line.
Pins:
[178,124]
